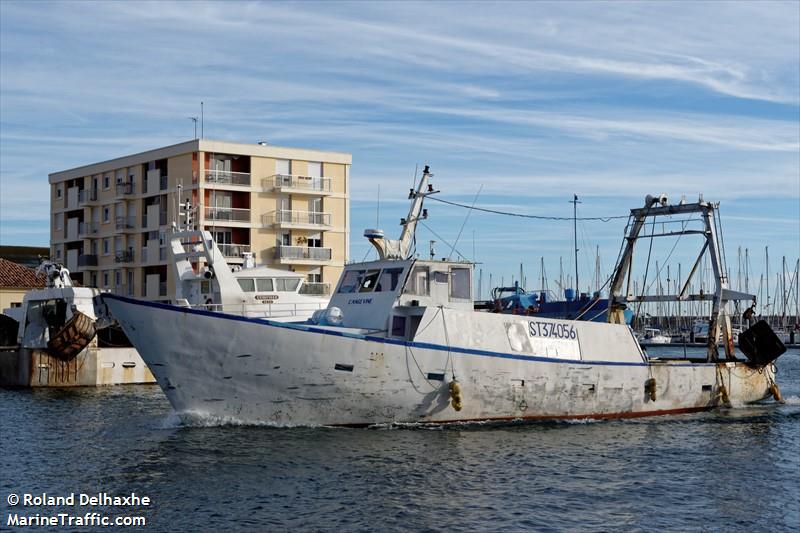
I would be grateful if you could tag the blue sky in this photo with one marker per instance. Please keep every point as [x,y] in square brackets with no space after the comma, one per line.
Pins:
[533,101]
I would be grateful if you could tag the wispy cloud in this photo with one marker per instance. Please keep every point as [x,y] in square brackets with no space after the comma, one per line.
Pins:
[534,101]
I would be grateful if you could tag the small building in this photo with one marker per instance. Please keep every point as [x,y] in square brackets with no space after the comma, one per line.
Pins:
[15,281]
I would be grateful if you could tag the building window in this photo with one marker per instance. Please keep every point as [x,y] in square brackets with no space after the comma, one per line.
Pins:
[117,277]
[58,191]
[314,169]
[283,167]
[106,215]
[105,279]
[106,182]
[314,241]
[58,253]
[106,247]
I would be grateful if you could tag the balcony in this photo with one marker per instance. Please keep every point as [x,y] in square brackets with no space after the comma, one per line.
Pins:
[297,219]
[227,214]
[302,254]
[86,196]
[125,188]
[299,184]
[87,260]
[227,177]
[87,228]
[316,289]
[124,256]
[233,250]
[126,223]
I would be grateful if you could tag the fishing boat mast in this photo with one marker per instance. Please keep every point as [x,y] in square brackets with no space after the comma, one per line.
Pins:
[401,248]
[720,322]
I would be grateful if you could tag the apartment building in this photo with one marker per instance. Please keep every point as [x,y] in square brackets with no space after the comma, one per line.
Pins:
[288,206]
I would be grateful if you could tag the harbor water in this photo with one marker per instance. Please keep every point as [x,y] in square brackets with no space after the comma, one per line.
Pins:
[727,470]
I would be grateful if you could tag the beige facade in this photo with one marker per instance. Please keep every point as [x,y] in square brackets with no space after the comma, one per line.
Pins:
[11,297]
[288,206]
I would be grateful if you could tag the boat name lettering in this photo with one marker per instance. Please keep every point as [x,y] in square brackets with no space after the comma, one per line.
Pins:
[358,301]
[547,329]
[270,297]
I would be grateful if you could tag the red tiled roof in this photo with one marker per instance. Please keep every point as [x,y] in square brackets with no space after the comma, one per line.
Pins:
[18,276]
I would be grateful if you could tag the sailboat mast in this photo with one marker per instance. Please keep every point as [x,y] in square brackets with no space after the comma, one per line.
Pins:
[766,255]
[746,270]
[575,203]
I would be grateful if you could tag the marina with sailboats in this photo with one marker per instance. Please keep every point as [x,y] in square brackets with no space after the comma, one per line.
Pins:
[660,319]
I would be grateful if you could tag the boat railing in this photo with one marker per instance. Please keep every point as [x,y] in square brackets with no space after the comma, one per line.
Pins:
[263,310]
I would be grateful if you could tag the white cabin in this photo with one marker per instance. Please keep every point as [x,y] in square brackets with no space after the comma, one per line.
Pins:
[206,281]
[392,295]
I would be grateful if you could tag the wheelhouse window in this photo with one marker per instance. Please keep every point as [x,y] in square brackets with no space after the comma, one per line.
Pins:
[286,284]
[389,279]
[247,284]
[418,282]
[350,282]
[264,285]
[369,281]
[460,284]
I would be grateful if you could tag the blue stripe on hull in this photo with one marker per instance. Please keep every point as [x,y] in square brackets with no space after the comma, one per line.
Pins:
[383,340]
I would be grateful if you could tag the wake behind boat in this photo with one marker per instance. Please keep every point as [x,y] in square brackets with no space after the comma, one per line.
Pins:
[401,342]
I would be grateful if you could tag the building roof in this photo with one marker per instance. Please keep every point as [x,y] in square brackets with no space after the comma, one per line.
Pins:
[13,275]
[202,145]
[28,256]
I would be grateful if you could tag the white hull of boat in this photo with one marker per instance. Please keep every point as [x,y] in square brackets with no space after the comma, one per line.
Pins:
[257,371]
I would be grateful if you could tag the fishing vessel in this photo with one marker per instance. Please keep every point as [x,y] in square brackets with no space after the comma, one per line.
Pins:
[401,342]
[59,342]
